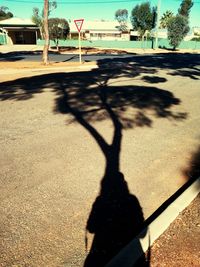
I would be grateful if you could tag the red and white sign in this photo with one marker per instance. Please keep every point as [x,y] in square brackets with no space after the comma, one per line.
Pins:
[79,23]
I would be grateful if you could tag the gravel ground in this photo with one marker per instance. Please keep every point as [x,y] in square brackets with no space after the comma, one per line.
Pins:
[178,246]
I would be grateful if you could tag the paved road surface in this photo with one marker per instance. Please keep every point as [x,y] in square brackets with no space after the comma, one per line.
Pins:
[54,57]
[53,160]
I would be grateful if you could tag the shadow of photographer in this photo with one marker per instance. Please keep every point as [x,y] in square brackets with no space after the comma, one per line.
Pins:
[115,219]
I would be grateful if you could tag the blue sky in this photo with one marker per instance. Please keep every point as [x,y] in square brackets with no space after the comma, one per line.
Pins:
[74,9]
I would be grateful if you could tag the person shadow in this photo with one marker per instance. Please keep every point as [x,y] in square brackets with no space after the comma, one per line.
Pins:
[115,219]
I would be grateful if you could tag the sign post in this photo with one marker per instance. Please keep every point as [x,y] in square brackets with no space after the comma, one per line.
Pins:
[79,23]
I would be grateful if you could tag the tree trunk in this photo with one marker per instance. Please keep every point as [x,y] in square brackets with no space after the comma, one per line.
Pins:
[46,33]
[57,47]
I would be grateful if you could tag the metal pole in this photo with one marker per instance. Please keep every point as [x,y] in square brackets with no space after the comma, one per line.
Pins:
[157,22]
[79,42]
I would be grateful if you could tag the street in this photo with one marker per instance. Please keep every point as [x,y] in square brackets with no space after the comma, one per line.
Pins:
[62,133]
[55,57]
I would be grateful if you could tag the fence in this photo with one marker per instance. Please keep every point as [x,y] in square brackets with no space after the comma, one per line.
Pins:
[162,43]
[2,39]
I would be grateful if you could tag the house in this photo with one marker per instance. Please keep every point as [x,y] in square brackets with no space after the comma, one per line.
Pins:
[162,34]
[100,30]
[19,31]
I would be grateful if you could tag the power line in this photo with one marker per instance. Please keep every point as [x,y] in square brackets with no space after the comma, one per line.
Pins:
[85,2]
[76,2]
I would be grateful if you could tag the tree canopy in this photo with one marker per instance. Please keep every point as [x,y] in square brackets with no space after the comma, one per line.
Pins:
[185,7]
[5,13]
[177,30]
[165,19]
[38,16]
[178,26]
[121,15]
[58,29]
[143,18]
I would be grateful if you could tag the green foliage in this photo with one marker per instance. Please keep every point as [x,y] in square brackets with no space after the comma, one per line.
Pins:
[185,7]
[4,13]
[38,17]
[178,26]
[177,30]
[165,19]
[121,15]
[58,29]
[143,18]
[197,39]
[52,6]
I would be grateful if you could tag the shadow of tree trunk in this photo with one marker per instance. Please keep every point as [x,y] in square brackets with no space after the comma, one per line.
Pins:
[116,216]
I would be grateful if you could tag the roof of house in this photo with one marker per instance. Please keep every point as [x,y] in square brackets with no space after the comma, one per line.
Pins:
[98,25]
[17,21]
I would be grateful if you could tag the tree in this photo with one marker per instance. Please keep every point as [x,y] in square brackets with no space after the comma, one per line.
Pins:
[121,15]
[46,32]
[38,20]
[143,18]
[177,30]
[4,13]
[58,29]
[185,7]
[178,26]
[38,17]
[165,19]
[41,20]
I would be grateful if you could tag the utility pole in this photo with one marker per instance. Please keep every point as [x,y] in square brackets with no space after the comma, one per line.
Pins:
[157,22]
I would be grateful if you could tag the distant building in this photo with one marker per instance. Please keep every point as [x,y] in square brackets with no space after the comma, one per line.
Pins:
[162,34]
[19,31]
[196,30]
[101,30]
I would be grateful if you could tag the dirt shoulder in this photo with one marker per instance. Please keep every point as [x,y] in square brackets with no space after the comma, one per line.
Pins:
[40,65]
[178,246]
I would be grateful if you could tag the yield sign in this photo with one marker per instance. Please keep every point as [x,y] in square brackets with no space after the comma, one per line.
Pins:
[79,23]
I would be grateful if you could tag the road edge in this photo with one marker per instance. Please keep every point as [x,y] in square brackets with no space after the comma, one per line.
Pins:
[156,224]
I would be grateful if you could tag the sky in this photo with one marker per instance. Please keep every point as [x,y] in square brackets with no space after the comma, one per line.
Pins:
[95,9]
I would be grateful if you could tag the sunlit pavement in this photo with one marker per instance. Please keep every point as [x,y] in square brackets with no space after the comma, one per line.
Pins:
[52,166]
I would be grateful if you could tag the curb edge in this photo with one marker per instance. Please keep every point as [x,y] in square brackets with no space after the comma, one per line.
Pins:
[132,252]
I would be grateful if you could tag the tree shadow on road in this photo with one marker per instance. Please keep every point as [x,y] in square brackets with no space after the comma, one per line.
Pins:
[177,64]
[20,55]
[192,172]
[89,97]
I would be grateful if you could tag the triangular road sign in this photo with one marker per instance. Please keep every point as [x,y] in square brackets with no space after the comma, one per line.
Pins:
[79,23]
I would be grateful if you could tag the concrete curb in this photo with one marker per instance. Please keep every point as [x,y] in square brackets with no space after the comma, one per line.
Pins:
[48,69]
[156,226]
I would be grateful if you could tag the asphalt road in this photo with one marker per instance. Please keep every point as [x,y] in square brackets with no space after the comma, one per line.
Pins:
[62,138]
[54,57]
